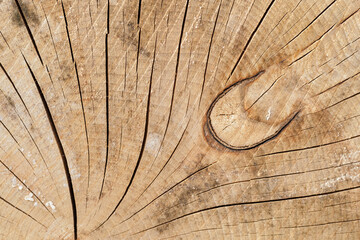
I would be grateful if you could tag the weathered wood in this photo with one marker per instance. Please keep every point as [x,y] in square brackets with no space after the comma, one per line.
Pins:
[190,119]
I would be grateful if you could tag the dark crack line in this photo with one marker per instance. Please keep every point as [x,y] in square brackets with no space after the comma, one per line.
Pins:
[347,18]
[296,6]
[343,100]
[250,203]
[51,35]
[9,133]
[48,72]
[67,31]
[177,65]
[346,58]
[309,24]
[60,147]
[108,17]
[310,147]
[138,46]
[137,60]
[41,155]
[91,21]
[6,42]
[107,99]
[86,131]
[194,231]
[298,59]
[28,30]
[276,176]
[257,60]
[169,189]
[26,187]
[125,66]
[56,53]
[299,19]
[175,77]
[209,50]
[142,145]
[250,39]
[322,35]
[323,224]
[139,13]
[263,93]
[312,80]
[339,83]
[167,161]
[27,160]
[22,211]
[172,153]
[228,15]
[120,143]
[16,90]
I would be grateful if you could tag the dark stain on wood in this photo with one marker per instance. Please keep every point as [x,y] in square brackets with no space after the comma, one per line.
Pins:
[179,200]
[130,38]
[30,15]
[11,102]
[8,105]
[68,72]
[176,207]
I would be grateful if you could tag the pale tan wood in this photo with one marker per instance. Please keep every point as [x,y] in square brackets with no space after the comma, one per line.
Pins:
[190,119]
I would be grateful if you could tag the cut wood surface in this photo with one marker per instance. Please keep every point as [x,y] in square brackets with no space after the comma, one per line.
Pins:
[179,119]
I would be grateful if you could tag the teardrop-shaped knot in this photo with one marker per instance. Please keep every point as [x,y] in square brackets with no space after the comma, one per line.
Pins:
[254,110]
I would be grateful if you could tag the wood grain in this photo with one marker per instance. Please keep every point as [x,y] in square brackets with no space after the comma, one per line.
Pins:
[191,119]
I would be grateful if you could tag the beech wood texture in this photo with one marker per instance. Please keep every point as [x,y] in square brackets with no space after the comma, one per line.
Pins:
[179,119]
